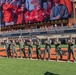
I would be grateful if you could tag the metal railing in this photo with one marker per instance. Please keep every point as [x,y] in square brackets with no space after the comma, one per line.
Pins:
[40,30]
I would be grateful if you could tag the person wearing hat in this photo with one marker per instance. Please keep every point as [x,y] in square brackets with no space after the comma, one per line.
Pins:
[58,48]
[71,43]
[30,46]
[38,46]
[59,11]
[47,47]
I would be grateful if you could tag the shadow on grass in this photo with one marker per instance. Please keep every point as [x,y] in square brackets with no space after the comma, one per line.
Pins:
[48,73]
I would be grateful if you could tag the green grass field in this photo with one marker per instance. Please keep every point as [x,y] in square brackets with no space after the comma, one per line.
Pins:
[35,67]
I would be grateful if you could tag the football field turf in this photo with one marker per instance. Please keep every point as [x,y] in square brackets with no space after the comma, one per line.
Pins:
[9,66]
[12,66]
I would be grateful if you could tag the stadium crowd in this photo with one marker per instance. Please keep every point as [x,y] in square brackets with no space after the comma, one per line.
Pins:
[28,11]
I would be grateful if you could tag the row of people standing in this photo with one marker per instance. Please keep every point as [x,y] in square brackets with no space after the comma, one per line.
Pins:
[71,50]
[30,43]
[37,43]
[28,11]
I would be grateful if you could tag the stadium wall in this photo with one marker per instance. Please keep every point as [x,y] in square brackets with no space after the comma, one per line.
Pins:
[73,20]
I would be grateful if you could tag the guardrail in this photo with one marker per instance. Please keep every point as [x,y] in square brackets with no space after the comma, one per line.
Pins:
[41,30]
[31,32]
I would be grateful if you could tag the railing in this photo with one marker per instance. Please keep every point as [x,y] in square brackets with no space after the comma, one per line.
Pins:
[41,30]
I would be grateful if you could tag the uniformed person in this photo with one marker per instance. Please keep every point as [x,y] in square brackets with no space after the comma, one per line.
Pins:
[38,46]
[21,46]
[13,44]
[47,47]
[71,43]
[58,48]
[30,46]
[7,46]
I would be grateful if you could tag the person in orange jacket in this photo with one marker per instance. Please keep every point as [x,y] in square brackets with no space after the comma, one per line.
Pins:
[37,15]
[8,14]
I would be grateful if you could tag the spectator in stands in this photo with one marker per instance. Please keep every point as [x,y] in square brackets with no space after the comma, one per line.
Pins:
[8,14]
[47,6]
[42,27]
[20,11]
[59,11]
[37,15]
[27,15]
[71,43]
[47,47]
[22,2]
[14,3]
[69,5]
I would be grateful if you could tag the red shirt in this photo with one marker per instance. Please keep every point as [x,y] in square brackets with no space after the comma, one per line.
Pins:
[37,15]
[20,14]
[8,14]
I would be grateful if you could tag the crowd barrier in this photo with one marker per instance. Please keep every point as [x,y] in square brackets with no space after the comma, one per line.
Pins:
[45,31]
